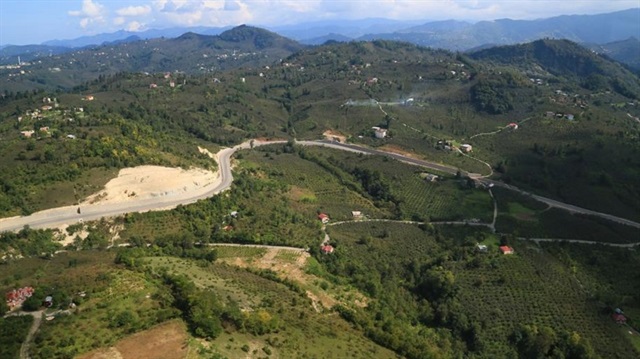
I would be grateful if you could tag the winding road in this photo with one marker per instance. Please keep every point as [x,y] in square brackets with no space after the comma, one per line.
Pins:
[68,215]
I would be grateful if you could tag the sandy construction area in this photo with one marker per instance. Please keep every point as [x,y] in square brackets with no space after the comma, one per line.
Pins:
[152,181]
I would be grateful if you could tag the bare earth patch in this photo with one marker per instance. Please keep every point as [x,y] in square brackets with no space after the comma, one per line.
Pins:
[333,135]
[166,341]
[398,150]
[152,181]
[291,270]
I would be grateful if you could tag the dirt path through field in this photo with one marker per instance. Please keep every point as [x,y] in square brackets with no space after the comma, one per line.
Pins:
[37,320]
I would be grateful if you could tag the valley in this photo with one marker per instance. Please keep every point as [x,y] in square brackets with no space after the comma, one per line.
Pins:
[362,199]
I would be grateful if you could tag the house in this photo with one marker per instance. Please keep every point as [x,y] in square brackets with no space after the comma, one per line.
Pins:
[44,129]
[619,318]
[16,297]
[234,214]
[379,132]
[228,227]
[327,249]
[88,98]
[569,116]
[429,177]
[372,81]
[27,134]
[323,217]
[513,125]
[506,250]
[482,248]
[172,84]
[356,214]
[48,301]
[466,148]
[71,137]
[153,86]
[46,107]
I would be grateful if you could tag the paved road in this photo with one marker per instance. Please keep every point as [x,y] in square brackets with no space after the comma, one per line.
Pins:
[68,215]
[452,170]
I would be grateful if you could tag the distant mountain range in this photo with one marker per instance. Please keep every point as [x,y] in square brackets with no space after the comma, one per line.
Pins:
[191,53]
[453,35]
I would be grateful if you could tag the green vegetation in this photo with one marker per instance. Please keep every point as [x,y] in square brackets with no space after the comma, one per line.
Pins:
[13,331]
[437,279]
[421,291]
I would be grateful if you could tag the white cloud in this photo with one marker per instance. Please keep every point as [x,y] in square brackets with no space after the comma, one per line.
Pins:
[134,10]
[118,20]
[134,26]
[91,12]
[89,9]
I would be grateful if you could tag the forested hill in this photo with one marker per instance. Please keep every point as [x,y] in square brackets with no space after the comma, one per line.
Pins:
[190,53]
[566,59]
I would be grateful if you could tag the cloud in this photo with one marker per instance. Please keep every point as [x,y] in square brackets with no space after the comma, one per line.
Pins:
[89,9]
[134,26]
[91,12]
[134,10]
[118,21]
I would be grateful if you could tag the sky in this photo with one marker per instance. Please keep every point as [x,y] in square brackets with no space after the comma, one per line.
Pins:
[35,21]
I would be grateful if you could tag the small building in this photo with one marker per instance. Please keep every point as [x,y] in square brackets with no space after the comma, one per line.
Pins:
[482,248]
[466,148]
[234,214]
[513,125]
[89,98]
[619,318]
[27,134]
[48,301]
[569,116]
[153,86]
[327,249]
[228,227]
[324,218]
[356,214]
[429,177]
[46,107]
[379,132]
[506,250]
[71,137]
[44,129]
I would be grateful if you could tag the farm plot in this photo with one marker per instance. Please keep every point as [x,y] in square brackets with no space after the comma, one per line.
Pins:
[532,287]
[446,199]
[301,332]
[313,188]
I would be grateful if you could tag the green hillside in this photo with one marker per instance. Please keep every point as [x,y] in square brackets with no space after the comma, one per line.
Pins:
[407,277]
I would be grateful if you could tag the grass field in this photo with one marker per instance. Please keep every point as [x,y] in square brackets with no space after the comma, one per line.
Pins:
[13,331]
[529,218]
[303,332]
[497,292]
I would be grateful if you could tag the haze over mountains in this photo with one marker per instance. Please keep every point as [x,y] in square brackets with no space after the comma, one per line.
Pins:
[451,34]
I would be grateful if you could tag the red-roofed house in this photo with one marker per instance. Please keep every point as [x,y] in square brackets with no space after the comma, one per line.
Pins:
[506,250]
[323,217]
[16,297]
[513,125]
[327,249]
[619,318]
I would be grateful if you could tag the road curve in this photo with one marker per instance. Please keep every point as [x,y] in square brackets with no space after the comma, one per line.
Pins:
[67,215]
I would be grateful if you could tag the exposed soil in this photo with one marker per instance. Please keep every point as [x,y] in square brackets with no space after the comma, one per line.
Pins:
[166,341]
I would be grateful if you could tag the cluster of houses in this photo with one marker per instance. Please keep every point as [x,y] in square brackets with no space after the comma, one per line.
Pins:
[551,114]
[503,249]
[16,297]
[448,145]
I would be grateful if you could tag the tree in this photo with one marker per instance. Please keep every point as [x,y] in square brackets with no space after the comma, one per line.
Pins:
[4,308]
